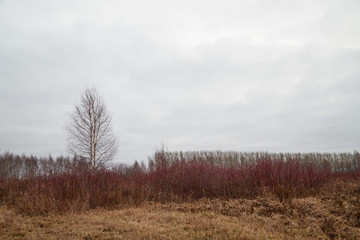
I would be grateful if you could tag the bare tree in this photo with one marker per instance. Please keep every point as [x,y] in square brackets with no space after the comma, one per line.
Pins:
[89,130]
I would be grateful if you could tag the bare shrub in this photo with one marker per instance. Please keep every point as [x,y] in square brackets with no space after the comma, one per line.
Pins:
[77,187]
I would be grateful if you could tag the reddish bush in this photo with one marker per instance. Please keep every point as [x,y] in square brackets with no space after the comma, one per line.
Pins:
[180,180]
[72,191]
[190,179]
[287,179]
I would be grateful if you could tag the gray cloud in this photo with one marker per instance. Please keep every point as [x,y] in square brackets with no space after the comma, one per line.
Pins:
[240,75]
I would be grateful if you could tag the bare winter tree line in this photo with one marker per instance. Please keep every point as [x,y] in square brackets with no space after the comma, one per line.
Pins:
[21,166]
[334,162]
[16,166]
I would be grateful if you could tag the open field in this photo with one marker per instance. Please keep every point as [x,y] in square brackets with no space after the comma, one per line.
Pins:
[198,197]
[333,214]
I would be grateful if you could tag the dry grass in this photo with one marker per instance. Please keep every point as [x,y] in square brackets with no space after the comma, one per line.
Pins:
[150,221]
[266,199]
[334,214]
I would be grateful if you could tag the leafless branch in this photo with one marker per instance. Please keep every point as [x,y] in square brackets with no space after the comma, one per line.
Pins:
[89,130]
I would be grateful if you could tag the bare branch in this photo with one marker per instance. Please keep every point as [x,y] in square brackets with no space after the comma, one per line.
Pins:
[89,130]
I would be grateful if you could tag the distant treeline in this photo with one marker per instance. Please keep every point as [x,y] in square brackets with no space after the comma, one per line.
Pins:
[16,166]
[333,162]
[22,166]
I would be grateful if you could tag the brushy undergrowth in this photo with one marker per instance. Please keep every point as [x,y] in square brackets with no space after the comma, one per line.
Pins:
[180,181]
[64,186]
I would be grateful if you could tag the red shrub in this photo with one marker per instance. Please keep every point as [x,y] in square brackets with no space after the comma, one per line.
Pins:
[79,190]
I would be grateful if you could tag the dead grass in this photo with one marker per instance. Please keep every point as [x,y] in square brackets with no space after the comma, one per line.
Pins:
[326,216]
[150,221]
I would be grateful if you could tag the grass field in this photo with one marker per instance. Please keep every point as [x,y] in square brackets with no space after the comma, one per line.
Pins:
[332,214]
[198,198]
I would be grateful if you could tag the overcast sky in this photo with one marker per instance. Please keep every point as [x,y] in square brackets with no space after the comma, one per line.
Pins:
[242,75]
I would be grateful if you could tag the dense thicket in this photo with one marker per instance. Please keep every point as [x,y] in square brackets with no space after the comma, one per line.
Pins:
[42,185]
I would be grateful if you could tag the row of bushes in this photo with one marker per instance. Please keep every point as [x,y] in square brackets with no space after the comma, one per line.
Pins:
[15,166]
[180,181]
[285,179]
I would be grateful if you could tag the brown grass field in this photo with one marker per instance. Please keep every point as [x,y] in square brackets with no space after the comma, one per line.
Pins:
[334,213]
[188,198]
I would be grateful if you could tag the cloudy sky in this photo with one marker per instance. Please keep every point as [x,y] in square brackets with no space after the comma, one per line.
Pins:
[243,75]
